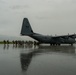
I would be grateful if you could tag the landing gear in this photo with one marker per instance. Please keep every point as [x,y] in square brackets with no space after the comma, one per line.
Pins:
[58,44]
[50,44]
[54,44]
[71,44]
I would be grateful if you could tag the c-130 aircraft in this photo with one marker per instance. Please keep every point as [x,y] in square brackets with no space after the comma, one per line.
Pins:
[52,40]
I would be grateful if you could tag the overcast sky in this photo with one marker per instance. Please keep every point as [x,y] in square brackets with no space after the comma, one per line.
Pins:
[47,17]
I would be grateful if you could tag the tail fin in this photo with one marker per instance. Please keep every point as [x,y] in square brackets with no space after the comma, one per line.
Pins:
[26,28]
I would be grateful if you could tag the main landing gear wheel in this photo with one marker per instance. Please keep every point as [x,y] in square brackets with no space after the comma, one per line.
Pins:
[54,44]
[71,44]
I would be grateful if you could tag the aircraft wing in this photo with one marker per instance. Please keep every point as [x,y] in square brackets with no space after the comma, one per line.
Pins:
[65,36]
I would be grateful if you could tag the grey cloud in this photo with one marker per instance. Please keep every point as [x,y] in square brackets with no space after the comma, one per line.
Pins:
[73,1]
[42,17]
[56,16]
[2,1]
[3,22]
[19,6]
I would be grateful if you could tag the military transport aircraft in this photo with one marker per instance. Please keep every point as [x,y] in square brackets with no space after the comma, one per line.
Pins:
[52,40]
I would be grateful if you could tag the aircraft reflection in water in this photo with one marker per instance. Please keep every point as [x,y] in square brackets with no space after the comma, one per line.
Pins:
[26,58]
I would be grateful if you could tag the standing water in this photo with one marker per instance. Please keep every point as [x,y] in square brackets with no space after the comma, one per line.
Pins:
[38,60]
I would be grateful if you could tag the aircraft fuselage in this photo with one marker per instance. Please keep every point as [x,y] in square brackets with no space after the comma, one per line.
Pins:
[48,39]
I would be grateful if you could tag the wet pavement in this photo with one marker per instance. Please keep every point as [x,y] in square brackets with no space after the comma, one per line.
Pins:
[37,60]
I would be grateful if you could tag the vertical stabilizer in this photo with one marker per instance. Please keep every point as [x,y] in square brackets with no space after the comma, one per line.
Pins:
[26,28]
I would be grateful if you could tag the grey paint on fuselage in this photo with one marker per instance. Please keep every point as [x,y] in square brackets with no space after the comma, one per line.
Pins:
[51,40]
[64,39]
[41,38]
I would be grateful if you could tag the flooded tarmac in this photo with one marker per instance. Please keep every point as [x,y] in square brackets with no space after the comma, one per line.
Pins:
[37,60]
